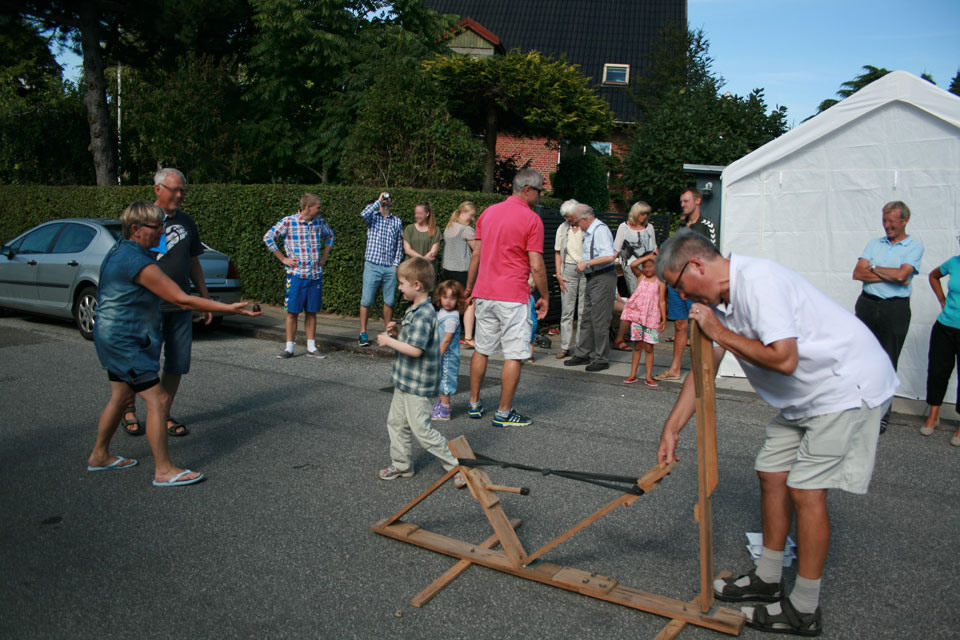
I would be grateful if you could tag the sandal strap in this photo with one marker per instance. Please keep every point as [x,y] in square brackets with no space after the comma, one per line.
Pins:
[788,615]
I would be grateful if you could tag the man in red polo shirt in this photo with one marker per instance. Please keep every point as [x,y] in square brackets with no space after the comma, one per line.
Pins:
[509,249]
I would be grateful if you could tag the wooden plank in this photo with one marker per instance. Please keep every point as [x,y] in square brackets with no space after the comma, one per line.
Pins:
[454,572]
[723,619]
[672,630]
[584,581]
[702,365]
[477,481]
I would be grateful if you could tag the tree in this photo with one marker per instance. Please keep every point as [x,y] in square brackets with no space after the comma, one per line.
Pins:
[404,134]
[525,94]
[189,115]
[132,32]
[685,119]
[583,178]
[33,102]
[310,63]
[850,87]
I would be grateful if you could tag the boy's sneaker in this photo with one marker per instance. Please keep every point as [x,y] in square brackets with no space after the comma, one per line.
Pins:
[513,419]
[459,481]
[315,354]
[440,412]
[363,340]
[475,410]
[392,473]
[283,355]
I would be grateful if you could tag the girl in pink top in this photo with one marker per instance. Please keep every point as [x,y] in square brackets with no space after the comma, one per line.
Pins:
[646,311]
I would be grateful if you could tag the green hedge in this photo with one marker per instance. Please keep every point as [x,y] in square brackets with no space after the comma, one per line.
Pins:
[233,219]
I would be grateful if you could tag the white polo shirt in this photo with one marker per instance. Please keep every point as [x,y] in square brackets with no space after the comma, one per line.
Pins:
[841,364]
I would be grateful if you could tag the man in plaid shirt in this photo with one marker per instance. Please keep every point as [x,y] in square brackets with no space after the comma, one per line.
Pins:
[383,255]
[307,240]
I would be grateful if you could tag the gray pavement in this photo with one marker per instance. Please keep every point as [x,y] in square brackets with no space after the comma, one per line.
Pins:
[276,542]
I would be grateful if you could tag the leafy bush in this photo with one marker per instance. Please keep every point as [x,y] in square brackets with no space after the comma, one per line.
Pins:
[582,178]
[233,219]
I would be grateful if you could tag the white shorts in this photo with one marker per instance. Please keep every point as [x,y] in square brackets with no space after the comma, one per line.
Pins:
[832,451]
[503,325]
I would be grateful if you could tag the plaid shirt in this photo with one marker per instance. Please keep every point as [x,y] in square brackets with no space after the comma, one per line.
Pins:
[419,376]
[301,240]
[384,237]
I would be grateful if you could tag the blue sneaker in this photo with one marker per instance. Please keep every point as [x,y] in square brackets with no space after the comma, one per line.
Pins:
[512,419]
[475,410]
[363,340]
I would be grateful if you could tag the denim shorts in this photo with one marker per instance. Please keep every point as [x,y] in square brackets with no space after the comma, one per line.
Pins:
[177,327]
[301,294]
[375,275]
[677,307]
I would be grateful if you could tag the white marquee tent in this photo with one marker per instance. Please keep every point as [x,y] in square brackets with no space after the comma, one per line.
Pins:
[812,198]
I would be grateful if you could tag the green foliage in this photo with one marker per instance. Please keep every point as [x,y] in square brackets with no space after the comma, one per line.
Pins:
[686,120]
[33,103]
[309,64]
[233,219]
[583,178]
[404,134]
[531,93]
[850,87]
[954,87]
[526,94]
[187,115]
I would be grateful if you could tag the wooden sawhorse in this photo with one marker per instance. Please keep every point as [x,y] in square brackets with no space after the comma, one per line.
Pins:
[512,558]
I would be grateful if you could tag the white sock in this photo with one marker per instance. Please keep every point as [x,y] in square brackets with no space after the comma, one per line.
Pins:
[289,347]
[770,567]
[805,596]
[311,345]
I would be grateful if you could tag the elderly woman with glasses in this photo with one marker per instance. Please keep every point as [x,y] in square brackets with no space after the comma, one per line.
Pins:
[127,339]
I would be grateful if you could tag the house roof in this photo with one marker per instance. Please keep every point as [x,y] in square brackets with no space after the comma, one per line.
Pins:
[590,33]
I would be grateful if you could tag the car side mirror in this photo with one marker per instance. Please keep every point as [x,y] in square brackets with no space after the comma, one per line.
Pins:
[7,252]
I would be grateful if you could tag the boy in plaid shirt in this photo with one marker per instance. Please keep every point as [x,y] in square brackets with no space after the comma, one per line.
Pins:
[416,374]
[307,240]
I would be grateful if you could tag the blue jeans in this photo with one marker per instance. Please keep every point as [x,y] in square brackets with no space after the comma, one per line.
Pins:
[375,275]
[177,329]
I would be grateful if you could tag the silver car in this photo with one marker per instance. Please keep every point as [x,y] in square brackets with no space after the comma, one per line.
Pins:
[54,268]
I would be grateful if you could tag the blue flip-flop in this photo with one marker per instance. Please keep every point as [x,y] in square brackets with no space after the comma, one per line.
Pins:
[115,465]
[175,481]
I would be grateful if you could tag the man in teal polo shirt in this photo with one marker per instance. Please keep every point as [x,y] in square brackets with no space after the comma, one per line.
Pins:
[886,267]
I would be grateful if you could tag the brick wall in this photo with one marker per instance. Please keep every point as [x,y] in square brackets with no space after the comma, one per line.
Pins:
[543,157]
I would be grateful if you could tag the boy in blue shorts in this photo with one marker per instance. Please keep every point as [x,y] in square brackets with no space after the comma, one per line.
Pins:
[307,240]
[416,374]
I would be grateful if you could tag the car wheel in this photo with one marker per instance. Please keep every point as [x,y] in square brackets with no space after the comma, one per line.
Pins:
[85,311]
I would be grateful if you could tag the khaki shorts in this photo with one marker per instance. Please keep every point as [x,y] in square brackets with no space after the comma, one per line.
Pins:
[832,451]
[503,325]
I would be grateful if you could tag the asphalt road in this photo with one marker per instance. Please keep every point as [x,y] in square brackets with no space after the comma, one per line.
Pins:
[276,543]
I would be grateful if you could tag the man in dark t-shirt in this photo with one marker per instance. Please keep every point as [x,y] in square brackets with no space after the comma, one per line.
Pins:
[178,257]
[677,308]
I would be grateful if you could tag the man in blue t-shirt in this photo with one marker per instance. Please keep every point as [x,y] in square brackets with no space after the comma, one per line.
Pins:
[886,267]
[178,256]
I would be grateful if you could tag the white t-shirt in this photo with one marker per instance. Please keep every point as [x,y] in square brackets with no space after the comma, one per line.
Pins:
[841,364]
[449,321]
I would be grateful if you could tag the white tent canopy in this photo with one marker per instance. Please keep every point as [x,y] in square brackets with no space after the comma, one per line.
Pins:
[812,198]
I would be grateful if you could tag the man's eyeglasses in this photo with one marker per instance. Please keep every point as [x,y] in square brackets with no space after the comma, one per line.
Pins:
[537,189]
[182,190]
[676,284]
[152,226]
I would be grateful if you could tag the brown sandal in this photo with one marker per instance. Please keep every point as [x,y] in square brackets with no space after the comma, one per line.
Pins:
[126,424]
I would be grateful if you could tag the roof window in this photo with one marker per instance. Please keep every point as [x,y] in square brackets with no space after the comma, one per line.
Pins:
[616,73]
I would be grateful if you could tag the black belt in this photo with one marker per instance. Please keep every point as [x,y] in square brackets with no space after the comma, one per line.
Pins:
[597,272]
[870,296]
